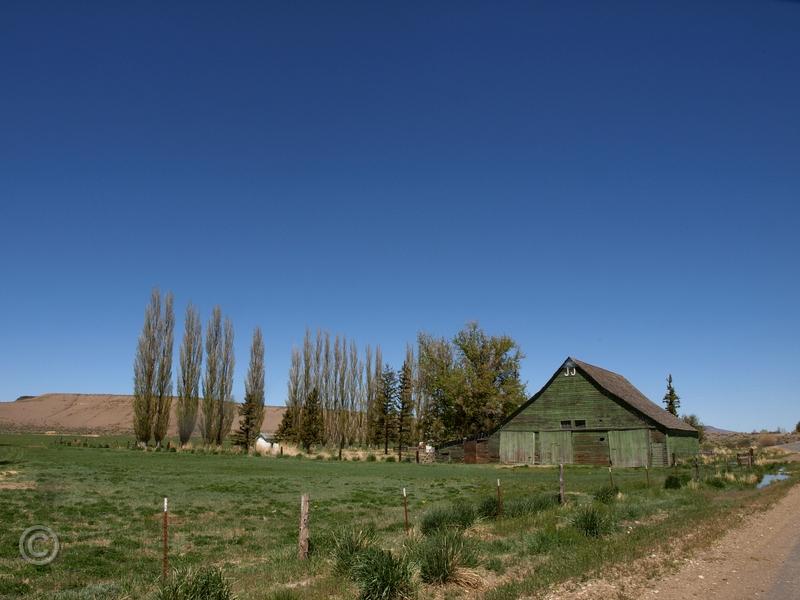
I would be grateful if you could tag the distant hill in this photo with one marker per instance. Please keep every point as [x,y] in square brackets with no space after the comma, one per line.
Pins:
[718,431]
[89,413]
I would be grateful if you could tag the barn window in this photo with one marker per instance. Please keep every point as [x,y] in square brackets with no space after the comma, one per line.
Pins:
[566,424]
[580,423]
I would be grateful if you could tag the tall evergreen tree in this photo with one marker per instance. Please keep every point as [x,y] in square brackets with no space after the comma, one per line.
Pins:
[387,402]
[311,421]
[251,412]
[405,404]
[191,358]
[672,401]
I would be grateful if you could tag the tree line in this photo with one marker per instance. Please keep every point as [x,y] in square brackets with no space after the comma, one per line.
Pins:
[446,389]
[211,413]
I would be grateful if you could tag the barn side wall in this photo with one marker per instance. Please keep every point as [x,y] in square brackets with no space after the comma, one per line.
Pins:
[682,445]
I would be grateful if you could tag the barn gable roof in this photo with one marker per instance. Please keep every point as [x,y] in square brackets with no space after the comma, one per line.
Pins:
[618,387]
[622,389]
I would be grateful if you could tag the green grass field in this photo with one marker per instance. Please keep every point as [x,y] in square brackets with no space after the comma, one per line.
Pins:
[241,513]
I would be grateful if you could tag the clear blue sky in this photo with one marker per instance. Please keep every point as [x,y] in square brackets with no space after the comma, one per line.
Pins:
[614,181]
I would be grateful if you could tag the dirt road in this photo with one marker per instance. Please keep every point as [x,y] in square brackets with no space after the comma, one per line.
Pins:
[759,560]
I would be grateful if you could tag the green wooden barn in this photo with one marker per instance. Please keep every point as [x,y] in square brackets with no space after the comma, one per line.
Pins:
[584,415]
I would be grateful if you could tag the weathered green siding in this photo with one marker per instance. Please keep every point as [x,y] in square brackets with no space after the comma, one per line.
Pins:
[572,398]
[517,447]
[630,448]
[555,447]
[682,446]
[590,447]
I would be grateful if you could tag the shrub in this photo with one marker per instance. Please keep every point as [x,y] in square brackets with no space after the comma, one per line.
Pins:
[355,458]
[371,458]
[672,482]
[204,583]
[381,576]
[592,521]
[443,556]
[458,516]
[390,459]
[606,494]
[716,482]
[348,544]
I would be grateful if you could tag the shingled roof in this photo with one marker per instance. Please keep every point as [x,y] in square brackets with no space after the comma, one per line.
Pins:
[624,391]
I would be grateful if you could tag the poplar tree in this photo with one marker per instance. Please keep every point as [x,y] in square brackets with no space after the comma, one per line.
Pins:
[226,408]
[191,358]
[289,427]
[251,411]
[672,401]
[163,395]
[211,380]
[145,371]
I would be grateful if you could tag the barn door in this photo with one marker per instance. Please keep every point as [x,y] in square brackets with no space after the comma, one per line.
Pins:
[629,448]
[556,447]
[517,447]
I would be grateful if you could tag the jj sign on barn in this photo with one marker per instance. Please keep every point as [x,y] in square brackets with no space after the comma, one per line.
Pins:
[584,415]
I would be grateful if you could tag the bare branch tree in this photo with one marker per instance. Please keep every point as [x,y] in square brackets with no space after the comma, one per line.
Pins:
[251,411]
[163,396]
[211,380]
[145,371]
[226,409]
[191,358]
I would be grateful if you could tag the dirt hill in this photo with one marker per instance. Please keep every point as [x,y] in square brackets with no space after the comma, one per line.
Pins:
[89,413]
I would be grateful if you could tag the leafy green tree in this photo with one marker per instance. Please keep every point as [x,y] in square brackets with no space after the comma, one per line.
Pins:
[695,422]
[405,401]
[469,384]
[251,412]
[672,401]
[311,421]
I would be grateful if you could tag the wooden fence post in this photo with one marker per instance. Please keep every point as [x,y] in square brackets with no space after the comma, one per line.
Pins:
[647,475]
[750,451]
[610,476]
[674,462]
[302,552]
[165,540]
[405,510]
[499,500]
[561,497]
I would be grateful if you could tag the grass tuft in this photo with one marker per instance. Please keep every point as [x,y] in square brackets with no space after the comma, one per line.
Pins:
[380,575]
[444,558]
[348,544]
[607,494]
[593,521]
[458,516]
[204,583]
